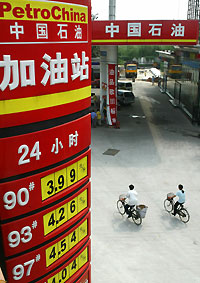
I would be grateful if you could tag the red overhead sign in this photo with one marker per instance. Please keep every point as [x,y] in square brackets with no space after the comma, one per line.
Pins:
[44,61]
[136,32]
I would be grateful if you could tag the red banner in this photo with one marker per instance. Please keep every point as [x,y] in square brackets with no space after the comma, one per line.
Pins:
[112,95]
[29,152]
[45,60]
[136,32]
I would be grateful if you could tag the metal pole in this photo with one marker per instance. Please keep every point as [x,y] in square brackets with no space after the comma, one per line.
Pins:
[112,9]
[109,57]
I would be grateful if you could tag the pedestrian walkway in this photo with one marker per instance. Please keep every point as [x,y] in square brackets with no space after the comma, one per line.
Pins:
[156,148]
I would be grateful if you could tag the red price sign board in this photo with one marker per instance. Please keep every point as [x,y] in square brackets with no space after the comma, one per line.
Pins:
[45,49]
[145,32]
[36,229]
[45,58]
[18,197]
[48,257]
[112,95]
[32,151]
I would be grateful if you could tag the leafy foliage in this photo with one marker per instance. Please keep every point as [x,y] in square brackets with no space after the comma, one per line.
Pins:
[95,51]
[128,52]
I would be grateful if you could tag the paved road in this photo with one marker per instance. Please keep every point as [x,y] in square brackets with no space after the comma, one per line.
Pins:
[158,149]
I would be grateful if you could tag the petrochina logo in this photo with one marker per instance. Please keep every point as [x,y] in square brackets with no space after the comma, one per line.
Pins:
[45,11]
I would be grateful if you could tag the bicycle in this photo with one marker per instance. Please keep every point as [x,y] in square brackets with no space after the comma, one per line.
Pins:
[181,210]
[135,215]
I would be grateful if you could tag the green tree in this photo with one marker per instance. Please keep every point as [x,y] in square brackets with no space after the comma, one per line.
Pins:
[95,51]
[127,53]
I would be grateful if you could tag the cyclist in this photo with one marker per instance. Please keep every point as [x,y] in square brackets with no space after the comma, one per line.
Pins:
[181,195]
[132,200]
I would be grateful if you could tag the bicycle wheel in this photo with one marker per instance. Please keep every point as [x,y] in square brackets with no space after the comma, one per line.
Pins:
[168,205]
[120,207]
[136,217]
[184,215]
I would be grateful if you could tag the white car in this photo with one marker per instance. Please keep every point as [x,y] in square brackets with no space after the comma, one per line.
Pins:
[125,96]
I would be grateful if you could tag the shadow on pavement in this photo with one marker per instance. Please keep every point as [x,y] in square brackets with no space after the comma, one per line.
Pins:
[172,222]
[121,223]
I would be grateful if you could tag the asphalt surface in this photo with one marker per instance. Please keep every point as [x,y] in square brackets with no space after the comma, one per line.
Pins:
[158,148]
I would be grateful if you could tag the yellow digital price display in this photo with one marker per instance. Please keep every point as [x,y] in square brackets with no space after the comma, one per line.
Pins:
[82,168]
[73,267]
[64,275]
[47,185]
[51,254]
[62,179]
[70,269]
[59,249]
[83,258]
[72,208]
[72,174]
[62,214]
[82,200]
[49,221]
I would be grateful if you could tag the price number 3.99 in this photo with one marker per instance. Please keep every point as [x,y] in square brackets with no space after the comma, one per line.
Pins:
[64,178]
[53,183]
